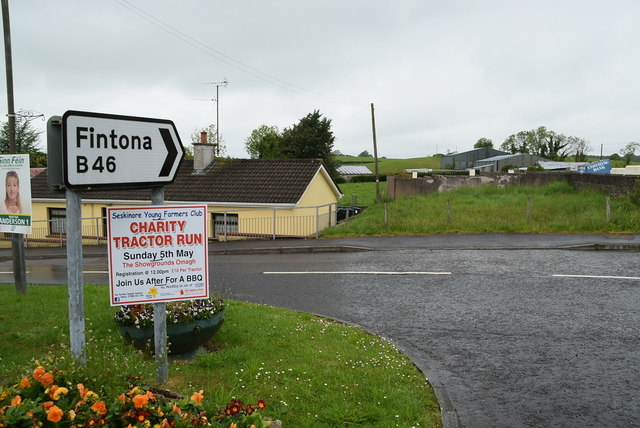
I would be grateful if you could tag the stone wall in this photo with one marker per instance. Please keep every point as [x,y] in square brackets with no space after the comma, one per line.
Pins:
[614,185]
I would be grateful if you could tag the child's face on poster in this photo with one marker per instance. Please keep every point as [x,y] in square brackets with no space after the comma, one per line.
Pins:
[12,188]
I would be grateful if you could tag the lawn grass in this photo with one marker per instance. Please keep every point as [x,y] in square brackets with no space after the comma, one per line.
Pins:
[312,372]
[555,208]
[360,194]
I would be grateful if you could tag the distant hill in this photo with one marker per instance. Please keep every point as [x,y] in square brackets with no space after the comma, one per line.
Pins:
[391,166]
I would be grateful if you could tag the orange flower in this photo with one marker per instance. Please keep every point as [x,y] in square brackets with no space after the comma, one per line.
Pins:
[122,398]
[233,426]
[47,379]
[140,400]
[25,383]
[177,409]
[85,394]
[38,373]
[197,397]
[54,414]
[51,391]
[47,405]
[100,408]
[16,401]
[151,396]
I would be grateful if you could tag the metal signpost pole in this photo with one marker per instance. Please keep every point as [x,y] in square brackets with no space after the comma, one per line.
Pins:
[160,316]
[74,276]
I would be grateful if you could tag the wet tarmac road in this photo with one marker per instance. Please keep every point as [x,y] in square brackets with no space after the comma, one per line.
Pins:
[505,337]
[512,344]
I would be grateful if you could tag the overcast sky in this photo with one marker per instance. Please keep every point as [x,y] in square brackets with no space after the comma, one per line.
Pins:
[440,74]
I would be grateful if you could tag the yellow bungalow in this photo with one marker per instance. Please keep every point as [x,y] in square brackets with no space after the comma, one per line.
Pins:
[246,198]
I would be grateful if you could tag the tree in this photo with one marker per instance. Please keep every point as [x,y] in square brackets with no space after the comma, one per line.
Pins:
[212,138]
[540,142]
[311,138]
[27,141]
[580,147]
[629,151]
[264,143]
[365,154]
[518,143]
[483,142]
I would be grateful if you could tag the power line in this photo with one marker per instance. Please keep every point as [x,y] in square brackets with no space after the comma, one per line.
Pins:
[203,47]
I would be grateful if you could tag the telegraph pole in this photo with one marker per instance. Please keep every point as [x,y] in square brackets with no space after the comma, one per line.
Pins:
[17,239]
[217,85]
[375,153]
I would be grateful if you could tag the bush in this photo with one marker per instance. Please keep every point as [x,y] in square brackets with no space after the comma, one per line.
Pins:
[367,179]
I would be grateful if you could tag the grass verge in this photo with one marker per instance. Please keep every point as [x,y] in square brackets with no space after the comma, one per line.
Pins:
[312,372]
[554,208]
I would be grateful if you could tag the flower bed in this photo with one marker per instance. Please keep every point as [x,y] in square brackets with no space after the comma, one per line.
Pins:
[141,316]
[50,398]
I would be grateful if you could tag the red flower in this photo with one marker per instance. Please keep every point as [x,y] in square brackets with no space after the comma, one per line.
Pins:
[262,404]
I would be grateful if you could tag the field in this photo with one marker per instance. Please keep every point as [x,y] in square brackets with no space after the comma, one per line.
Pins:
[555,208]
[391,166]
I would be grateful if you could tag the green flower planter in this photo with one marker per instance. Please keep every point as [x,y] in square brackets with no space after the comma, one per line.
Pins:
[182,338]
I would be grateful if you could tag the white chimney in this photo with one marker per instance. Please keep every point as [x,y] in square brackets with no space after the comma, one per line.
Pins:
[203,153]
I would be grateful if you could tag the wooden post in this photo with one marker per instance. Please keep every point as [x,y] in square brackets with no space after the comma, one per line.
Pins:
[375,153]
[449,211]
[608,208]
[528,210]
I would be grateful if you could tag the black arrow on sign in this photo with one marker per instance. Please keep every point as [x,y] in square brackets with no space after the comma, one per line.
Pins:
[172,152]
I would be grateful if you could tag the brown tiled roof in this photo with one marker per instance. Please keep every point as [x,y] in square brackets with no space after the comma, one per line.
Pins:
[259,181]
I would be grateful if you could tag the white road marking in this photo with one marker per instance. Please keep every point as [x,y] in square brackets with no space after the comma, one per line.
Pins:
[598,276]
[355,273]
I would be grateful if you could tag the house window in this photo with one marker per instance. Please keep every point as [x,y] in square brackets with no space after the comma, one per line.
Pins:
[57,221]
[224,224]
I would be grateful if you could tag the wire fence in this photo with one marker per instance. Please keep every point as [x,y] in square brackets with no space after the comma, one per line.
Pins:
[269,223]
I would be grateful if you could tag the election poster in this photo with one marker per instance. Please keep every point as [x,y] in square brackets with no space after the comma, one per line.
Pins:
[15,208]
[157,254]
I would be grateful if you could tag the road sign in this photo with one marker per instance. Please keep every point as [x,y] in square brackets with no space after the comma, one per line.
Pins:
[15,208]
[112,151]
[157,254]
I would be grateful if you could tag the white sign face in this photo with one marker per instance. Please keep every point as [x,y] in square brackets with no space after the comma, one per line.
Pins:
[15,205]
[157,254]
[102,150]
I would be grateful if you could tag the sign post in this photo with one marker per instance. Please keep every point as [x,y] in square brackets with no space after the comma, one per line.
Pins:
[15,210]
[108,151]
[105,151]
[160,318]
[158,254]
